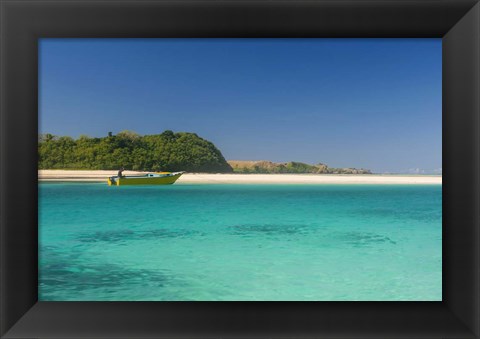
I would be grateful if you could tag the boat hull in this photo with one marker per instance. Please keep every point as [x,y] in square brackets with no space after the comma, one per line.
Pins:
[128,181]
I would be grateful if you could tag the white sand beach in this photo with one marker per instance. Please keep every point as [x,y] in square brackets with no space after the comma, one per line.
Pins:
[203,178]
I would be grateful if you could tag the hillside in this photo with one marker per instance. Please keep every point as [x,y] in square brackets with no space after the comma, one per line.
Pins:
[167,151]
[240,166]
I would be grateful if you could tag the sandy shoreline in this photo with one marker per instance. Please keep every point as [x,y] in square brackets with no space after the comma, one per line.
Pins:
[202,178]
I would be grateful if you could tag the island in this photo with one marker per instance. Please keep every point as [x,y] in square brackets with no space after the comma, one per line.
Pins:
[63,158]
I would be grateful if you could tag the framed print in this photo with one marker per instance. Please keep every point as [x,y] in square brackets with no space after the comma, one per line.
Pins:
[240,169]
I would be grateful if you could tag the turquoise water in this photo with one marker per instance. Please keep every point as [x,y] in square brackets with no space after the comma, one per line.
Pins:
[240,242]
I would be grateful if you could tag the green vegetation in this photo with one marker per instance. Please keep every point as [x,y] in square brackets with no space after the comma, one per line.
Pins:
[290,167]
[168,151]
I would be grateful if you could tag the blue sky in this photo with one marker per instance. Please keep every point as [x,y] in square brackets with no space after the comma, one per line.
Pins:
[371,103]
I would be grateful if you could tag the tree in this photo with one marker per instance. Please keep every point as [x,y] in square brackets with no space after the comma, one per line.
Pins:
[167,151]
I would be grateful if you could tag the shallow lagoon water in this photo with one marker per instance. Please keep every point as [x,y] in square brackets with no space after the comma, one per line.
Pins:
[240,242]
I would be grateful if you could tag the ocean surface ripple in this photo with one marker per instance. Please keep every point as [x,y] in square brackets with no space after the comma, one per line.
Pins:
[240,242]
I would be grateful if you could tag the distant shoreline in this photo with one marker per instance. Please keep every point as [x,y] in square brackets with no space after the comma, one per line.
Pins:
[208,178]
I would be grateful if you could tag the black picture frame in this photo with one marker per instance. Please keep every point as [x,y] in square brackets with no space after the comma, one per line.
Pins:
[23,22]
